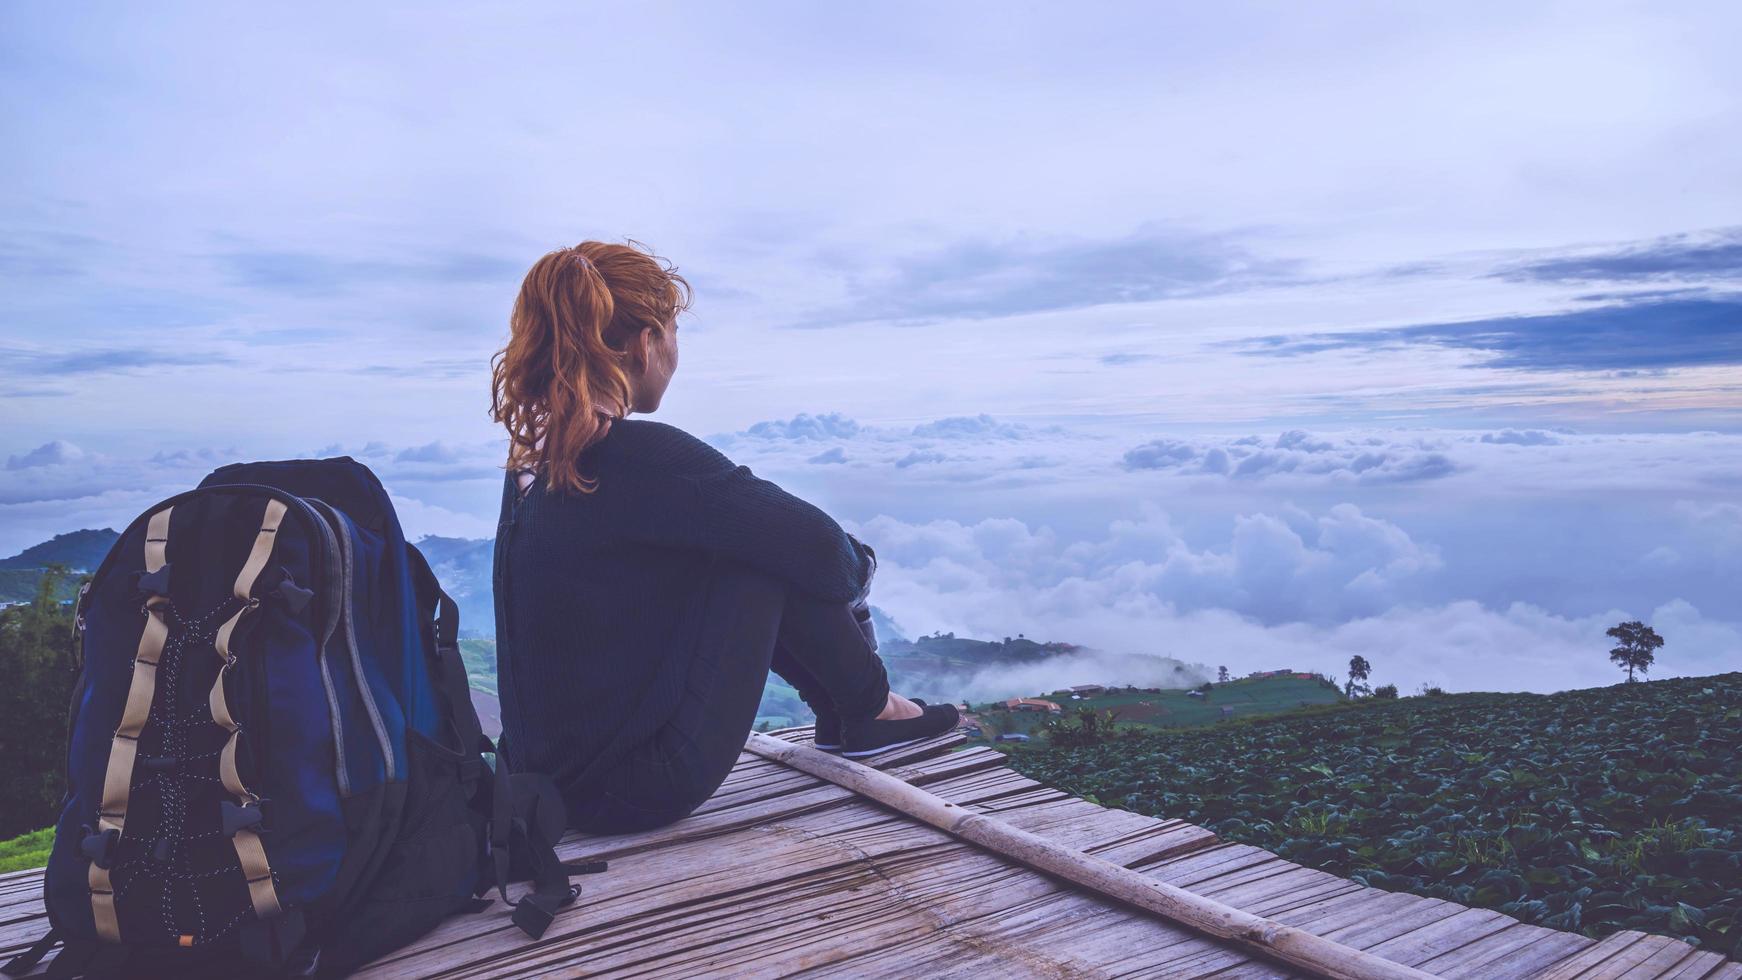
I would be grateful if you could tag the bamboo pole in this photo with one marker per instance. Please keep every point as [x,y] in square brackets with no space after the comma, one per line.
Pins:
[1268,938]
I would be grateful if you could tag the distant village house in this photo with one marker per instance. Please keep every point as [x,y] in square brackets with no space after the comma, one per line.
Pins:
[1032,704]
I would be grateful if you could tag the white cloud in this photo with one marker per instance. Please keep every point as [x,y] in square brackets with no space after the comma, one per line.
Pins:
[1249,606]
[975,427]
[1528,437]
[1348,565]
[1299,455]
[803,427]
[56,453]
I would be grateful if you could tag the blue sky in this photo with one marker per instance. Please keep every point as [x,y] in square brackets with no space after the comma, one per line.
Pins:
[1244,334]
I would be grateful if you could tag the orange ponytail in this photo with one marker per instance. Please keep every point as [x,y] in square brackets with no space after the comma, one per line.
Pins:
[578,311]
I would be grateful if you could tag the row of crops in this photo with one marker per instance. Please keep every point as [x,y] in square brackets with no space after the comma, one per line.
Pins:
[1591,811]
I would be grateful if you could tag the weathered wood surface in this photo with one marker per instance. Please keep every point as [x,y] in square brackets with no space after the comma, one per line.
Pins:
[782,873]
[1094,873]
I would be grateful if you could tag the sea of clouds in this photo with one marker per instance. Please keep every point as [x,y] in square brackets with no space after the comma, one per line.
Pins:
[1471,559]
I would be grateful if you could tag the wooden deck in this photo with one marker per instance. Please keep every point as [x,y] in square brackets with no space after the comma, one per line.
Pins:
[781,873]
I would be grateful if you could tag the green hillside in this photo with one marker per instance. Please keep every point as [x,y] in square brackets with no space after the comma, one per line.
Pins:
[1150,709]
[1591,810]
[80,551]
[946,650]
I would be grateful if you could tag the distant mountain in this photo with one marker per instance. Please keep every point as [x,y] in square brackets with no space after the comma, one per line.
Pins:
[79,550]
[886,628]
[945,650]
[464,565]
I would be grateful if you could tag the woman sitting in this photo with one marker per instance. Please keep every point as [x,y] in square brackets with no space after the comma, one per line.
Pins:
[646,585]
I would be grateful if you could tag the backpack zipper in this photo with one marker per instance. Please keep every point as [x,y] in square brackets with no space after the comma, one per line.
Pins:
[349,619]
[332,602]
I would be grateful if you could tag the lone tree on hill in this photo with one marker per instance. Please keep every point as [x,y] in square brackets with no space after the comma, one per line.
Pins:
[1221,675]
[1637,643]
[1359,669]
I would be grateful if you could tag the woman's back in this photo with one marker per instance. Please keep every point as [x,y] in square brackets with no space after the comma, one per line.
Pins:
[599,595]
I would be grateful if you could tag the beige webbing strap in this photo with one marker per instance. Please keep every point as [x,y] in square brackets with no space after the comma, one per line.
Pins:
[257,871]
[249,851]
[124,750]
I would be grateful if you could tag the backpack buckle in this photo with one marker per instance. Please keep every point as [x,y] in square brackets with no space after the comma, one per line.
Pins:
[296,598]
[153,584]
[99,846]
[238,816]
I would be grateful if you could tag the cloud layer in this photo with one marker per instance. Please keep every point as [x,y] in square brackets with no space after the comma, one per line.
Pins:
[1652,333]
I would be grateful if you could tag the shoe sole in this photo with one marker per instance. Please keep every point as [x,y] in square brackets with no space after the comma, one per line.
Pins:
[825,748]
[886,748]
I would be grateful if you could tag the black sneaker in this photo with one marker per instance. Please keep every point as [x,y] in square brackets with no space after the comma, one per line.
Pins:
[828,728]
[871,736]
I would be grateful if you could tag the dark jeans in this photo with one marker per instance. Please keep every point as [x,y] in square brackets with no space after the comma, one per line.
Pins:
[754,623]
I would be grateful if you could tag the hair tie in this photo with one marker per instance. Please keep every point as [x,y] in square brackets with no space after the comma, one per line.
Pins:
[584,262]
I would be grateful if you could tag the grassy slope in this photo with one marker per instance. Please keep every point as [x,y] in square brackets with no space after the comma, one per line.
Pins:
[1247,696]
[28,851]
[1591,810]
[1167,709]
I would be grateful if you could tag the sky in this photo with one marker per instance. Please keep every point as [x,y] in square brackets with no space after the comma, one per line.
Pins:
[1251,334]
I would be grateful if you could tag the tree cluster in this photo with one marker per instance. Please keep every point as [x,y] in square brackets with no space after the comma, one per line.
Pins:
[35,647]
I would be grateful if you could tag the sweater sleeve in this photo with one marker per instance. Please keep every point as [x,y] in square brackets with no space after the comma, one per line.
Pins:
[737,514]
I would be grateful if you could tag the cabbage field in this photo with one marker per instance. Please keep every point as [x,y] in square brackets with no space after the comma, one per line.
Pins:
[1591,810]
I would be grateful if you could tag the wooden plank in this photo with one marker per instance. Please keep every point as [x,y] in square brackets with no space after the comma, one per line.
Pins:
[1550,946]
[925,884]
[1352,909]
[1265,867]
[720,816]
[883,831]
[1695,967]
[1463,927]
[1666,961]
[1209,863]
[1023,934]
[1271,896]
[1021,921]
[796,937]
[1115,833]
[1646,950]
[24,894]
[1486,949]
[660,883]
[1372,930]
[1591,956]
[1203,960]
[1257,971]
[752,932]
[1282,878]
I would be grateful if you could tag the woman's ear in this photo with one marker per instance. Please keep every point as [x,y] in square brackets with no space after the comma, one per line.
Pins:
[644,348]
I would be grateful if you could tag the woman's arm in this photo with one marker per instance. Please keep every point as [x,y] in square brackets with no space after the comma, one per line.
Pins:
[737,514]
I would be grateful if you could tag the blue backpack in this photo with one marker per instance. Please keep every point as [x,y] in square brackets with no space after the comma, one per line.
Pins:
[274,764]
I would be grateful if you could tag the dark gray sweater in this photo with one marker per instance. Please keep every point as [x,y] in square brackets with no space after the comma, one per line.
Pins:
[598,596]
